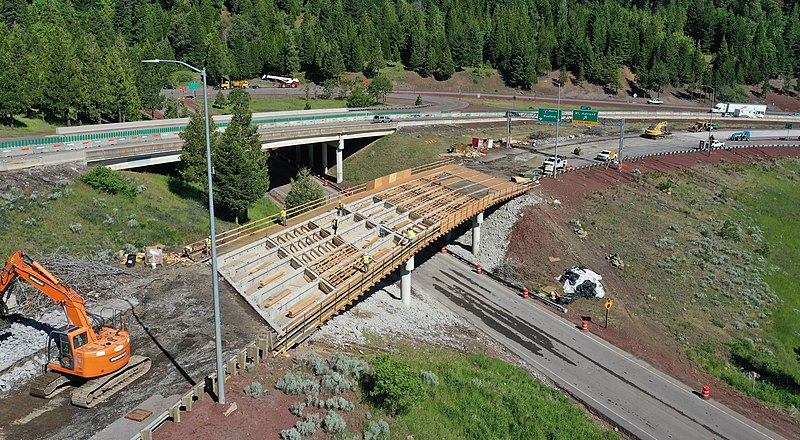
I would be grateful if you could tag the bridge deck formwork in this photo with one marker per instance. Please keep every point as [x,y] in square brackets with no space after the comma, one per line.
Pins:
[299,276]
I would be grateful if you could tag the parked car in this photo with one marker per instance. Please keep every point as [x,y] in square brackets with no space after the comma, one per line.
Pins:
[379,119]
[168,87]
[655,101]
[605,155]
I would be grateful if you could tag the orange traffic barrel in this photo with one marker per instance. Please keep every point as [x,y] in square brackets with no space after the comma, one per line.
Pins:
[478,268]
[706,392]
[525,292]
[584,325]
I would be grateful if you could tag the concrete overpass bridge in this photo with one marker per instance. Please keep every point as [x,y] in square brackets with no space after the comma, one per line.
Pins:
[299,276]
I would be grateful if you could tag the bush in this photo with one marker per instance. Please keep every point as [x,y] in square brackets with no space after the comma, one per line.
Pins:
[337,402]
[315,363]
[395,386]
[429,377]
[304,189]
[254,390]
[349,366]
[297,409]
[294,383]
[333,423]
[291,434]
[377,430]
[336,383]
[112,182]
[306,428]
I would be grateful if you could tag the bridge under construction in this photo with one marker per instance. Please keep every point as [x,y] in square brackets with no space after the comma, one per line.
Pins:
[299,276]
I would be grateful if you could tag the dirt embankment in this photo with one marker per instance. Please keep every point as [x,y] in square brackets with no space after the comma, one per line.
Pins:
[544,231]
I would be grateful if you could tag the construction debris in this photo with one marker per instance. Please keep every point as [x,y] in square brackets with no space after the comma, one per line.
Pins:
[616,261]
[578,229]
[580,282]
[554,259]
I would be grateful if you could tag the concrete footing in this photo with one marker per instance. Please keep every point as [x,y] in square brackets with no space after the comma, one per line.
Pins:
[405,281]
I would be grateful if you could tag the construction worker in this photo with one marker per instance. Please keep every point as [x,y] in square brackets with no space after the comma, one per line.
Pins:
[340,208]
[410,234]
[366,260]
[207,249]
[283,217]
[335,225]
[187,251]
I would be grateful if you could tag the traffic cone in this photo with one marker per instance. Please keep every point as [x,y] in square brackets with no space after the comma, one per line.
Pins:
[478,268]
[525,292]
[706,394]
[444,249]
[584,325]
[324,182]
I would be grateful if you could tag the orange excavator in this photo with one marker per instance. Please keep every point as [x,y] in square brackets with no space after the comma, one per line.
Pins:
[85,352]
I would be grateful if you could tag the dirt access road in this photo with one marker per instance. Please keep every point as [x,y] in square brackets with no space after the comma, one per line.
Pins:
[173,326]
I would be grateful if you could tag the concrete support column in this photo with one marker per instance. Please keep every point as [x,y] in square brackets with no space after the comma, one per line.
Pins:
[405,281]
[297,154]
[324,147]
[339,166]
[476,233]
[311,156]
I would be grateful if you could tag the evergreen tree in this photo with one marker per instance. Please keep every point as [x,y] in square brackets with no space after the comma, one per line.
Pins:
[304,189]
[193,166]
[379,88]
[359,98]
[239,99]
[13,82]
[220,101]
[240,166]
[125,103]
[170,108]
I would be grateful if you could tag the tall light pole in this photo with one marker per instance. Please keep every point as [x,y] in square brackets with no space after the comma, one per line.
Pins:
[214,279]
[711,118]
[558,124]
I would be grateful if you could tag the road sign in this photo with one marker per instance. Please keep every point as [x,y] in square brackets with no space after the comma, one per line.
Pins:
[194,85]
[609,303]
[584,117]
[788,126]
[549,115]
[586,107]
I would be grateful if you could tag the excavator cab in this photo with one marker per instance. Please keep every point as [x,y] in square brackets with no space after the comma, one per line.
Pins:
[62,344]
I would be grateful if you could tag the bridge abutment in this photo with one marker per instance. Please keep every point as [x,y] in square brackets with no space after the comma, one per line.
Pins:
[476,233]
[339,166]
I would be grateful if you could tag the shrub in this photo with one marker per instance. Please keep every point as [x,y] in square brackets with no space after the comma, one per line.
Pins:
[254,390]
[306,428]
[291,434]
[336,383]
[294,383]
[349,366]
[337,402]
[377,430]
[333,423]
[315,363]
[297,409]
[76,228]
[395,386]
[106,180]
[429,377]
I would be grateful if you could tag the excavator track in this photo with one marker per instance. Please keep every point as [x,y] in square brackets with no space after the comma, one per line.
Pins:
[97,391]
[49,384]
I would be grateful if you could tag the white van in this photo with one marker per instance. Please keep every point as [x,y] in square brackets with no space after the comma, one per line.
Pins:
[378,119]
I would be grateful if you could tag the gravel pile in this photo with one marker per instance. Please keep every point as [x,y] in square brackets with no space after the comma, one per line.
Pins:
[383,314]
[19,360]
[494,233]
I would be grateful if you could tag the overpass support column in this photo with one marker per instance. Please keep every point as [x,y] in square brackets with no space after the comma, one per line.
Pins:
[476,233]
[297,155]
[324,147]
[311,156]
[405,281]
[339,170]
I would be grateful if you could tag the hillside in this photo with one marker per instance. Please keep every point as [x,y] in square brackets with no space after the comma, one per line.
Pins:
[709,280]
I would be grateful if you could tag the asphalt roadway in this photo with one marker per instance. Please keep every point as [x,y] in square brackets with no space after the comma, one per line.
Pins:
[636,397]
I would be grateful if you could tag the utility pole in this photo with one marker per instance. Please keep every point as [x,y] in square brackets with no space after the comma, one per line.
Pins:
[558,124]
[621,143]
[508,139]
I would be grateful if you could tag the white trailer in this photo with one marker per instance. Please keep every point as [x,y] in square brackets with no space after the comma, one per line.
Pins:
[283,81]
[738,109]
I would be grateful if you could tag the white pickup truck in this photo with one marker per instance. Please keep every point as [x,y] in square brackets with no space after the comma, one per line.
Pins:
[559,162]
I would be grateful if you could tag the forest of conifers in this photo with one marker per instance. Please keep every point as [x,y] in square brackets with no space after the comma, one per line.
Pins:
[80,58]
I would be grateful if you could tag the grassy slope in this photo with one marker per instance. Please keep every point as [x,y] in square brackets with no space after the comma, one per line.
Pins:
[481,398]
[707,283]
[272,104]
[24,127]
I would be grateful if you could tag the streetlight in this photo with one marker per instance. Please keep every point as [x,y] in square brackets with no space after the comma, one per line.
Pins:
[214,281]
[711,118]
[558,124]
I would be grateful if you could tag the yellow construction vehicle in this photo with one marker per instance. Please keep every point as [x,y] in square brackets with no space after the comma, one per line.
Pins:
[226,84]
[702,126]
[659,130]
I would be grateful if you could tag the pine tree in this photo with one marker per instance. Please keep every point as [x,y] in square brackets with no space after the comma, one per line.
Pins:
[240,166]
[193,167]
[304,189]
[170,108]
[125,103]
[13,83]
[220,101]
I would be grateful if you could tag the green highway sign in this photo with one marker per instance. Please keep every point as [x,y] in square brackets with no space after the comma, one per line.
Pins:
[586,107]
[194,85]
[788,126]
[584,117]
[549,115]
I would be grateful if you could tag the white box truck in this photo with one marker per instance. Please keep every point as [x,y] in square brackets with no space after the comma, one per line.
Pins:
[737,109]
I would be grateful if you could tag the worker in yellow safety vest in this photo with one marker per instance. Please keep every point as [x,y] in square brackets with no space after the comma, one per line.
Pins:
[335,225]
[366,260]
[410,235]
[283,217]
[340,208]
[207,249]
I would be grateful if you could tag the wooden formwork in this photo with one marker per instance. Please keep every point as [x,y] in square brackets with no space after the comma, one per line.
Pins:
[326,270]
